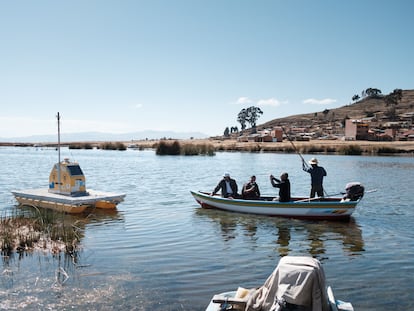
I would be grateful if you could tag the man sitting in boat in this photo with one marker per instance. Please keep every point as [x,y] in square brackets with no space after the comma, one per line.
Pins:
[251,189]
[284,186]
[228,187]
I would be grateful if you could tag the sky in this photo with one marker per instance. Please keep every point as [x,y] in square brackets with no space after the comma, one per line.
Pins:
[191,65]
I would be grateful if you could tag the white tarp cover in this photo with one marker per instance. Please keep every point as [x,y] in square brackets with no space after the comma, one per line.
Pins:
[297,280]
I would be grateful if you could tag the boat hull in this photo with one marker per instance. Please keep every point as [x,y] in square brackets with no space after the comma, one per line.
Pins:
[328,208]
[68,204]
[334,305]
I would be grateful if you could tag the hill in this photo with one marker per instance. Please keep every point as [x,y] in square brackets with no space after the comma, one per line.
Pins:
[372,106]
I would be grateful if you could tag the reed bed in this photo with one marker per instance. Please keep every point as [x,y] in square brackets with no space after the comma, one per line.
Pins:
[112,146]
[80,146]
[43,229]
[176,148]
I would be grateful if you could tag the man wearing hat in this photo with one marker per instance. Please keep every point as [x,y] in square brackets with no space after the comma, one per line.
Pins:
[228,187]
[317,173]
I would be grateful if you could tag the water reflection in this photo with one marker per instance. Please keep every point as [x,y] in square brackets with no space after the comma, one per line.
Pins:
[319,236]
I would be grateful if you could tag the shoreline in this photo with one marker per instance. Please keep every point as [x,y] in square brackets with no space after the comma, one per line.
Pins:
[312,146]
[219,144]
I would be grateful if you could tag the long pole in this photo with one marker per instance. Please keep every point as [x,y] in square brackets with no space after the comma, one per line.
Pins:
[58,119]
[293,145]
[297,151]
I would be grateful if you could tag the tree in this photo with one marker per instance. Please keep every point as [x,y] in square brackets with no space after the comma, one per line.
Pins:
[372,92]
[355,98]
[393,98]
[253,113]
[227,132]
[249,115]
[241,118]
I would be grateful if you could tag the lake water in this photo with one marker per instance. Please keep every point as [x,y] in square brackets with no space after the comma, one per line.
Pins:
[161,251]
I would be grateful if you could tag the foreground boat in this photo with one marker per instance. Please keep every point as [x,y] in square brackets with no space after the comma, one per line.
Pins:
[315,208]
[297,283]
[67,190]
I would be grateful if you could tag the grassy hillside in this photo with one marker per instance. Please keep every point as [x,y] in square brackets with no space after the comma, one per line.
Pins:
[361,109]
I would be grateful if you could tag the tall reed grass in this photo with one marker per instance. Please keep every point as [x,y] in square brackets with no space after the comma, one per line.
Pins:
[38,229]
[113,146]
[176,148]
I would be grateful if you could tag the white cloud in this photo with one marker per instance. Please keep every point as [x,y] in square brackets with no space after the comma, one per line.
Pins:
[244,101]
[325,101]
[137,106]
[261,102]
[270,102]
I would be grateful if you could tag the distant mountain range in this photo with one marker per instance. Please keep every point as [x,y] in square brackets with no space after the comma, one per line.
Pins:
[98,136]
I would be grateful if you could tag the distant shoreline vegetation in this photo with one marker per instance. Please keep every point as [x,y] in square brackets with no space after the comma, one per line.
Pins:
[104,146]
[176,148]
[320,149]
[212,145]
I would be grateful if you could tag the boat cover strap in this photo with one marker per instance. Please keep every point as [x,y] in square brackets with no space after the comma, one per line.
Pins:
[229,300]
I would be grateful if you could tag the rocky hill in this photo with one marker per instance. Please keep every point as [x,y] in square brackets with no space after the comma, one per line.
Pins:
[367,107]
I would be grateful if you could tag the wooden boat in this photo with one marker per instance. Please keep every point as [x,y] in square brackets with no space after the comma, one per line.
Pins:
[297,283]
[332,208]
[67,190]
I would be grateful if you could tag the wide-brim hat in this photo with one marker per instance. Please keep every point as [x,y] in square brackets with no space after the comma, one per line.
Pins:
[313,161]
[226,175]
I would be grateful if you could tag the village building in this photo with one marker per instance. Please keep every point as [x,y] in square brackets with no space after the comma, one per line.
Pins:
[356,130]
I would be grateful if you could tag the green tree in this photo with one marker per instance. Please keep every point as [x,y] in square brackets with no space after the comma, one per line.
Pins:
[253,114]
[355,98]
[372,92]
[227,132]
[241,118]
[249,115]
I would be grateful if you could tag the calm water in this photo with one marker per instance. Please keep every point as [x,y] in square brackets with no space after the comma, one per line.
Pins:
[160,251]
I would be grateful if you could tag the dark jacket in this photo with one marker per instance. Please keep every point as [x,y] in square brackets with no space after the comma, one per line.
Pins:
[253,191]
[317,173]
[222,186]
[284,188]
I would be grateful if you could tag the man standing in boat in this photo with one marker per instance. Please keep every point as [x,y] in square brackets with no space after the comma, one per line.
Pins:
[228,187]
[317,174]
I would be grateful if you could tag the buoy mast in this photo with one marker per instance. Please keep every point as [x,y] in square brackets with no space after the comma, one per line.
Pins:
[59,181]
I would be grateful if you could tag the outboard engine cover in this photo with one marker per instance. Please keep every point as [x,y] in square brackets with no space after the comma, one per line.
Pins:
[354,191]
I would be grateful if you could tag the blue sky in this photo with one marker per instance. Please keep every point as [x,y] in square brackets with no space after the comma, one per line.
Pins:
[191,65]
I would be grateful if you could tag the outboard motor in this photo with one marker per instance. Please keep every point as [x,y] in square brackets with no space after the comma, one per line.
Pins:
[354,191]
